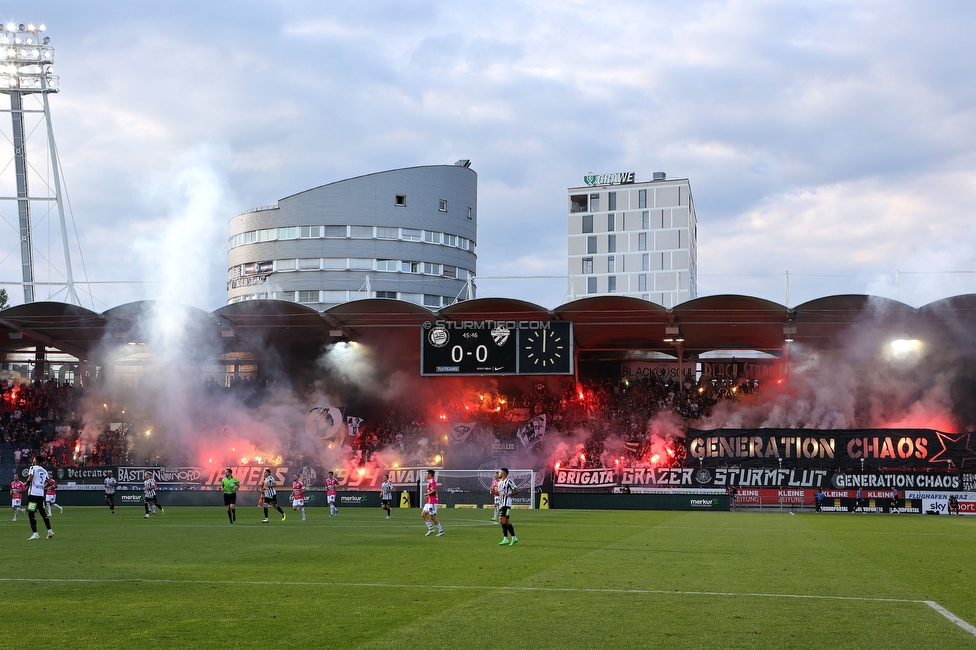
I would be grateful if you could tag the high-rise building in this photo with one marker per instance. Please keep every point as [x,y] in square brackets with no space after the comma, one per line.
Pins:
[633,238]
[405,233]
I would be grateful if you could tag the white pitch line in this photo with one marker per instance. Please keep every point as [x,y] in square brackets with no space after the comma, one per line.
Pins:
[590,590]
[952,617]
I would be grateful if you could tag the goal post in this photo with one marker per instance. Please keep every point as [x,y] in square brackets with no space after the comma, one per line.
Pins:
[469,488]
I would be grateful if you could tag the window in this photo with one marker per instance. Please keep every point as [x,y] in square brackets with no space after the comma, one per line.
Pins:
[594,202]
[386,265]
[450,271]
[400,201]
[333,296]
[431,301]
[591,244]
[251,236]
[387,233]
[267,234]
[288,233]
[410,267]
[432,269]
[642,241]
[311,264]
[645,220]
[286,265]
[611,200]
[442,206]
[361,232]
[469,213]
[587,265]
[612,283]
[611,243]
[642,282]
[587,223]
[334,231]
[386,294]
[645,262]
[578,203]
[432,237]
[415,298]
[644,296]
[310,231]
[611,264]
[642,199]
[334,263]
[610,222]
[590,285]
[409,234]
[450,240]
[308,296]
[359,264]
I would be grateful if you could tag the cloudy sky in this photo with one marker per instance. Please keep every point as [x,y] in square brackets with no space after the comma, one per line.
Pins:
[831,140]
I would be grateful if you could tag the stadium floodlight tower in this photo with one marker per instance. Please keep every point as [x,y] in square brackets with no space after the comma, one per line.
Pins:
[27,68]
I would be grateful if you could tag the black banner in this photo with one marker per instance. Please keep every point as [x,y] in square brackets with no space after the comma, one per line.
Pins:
[845,448]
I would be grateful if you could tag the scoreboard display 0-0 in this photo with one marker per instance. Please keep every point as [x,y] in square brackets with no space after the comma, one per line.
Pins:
[496,348]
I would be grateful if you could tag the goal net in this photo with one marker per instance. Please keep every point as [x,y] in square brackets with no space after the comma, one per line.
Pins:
[468,488]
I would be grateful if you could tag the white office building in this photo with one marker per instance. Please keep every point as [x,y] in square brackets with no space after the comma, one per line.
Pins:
[633,238]
[407,234]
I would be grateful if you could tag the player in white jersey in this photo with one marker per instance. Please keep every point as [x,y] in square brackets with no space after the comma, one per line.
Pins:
[270,496]
[386,495]
[506,490]
[110,484]
[36,478]
[149,490]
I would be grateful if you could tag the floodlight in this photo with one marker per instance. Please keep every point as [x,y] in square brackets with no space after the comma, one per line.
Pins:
[47,39]
[10,27]
[41,28]
[30,27]
[21,28]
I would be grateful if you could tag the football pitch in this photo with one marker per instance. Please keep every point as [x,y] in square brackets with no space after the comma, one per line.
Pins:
[576,579]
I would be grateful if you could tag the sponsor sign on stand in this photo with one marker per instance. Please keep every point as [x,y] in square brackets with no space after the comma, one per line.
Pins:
[938,502]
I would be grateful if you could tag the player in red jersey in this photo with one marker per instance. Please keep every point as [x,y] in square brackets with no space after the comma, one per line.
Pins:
[51,495]
[493,491]
[429,513]
[17,488]
[298,496]
[331,484]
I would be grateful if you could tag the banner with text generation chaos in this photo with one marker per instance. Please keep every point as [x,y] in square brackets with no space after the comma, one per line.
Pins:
[832,448]
[722,478]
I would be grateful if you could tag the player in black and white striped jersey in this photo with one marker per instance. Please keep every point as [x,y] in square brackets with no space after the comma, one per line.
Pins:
[149,490]
[270,496]
[506,490]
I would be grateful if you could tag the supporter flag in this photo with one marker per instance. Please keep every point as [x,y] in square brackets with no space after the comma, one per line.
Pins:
[460,432]
[327,423]
[632,445]
[532,432]
[353,423]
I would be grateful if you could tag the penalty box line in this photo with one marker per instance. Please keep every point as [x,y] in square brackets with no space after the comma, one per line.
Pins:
[590,590]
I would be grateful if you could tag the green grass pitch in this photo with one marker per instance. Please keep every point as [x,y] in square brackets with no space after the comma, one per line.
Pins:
[576,579]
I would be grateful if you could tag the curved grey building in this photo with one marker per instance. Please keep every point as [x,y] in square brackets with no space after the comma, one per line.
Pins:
[405,233]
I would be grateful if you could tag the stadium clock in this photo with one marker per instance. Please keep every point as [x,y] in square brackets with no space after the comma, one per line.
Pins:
[545,351]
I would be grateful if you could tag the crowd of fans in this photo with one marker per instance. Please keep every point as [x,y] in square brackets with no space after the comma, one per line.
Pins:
[600,421]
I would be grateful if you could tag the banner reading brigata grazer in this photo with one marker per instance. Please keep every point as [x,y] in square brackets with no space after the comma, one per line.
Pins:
[836,448]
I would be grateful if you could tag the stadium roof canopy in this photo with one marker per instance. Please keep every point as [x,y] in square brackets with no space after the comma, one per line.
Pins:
[605,326]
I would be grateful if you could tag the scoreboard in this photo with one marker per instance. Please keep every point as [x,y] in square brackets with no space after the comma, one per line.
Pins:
[496,348]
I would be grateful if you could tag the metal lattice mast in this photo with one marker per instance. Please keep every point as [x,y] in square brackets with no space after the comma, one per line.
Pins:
[27,68]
